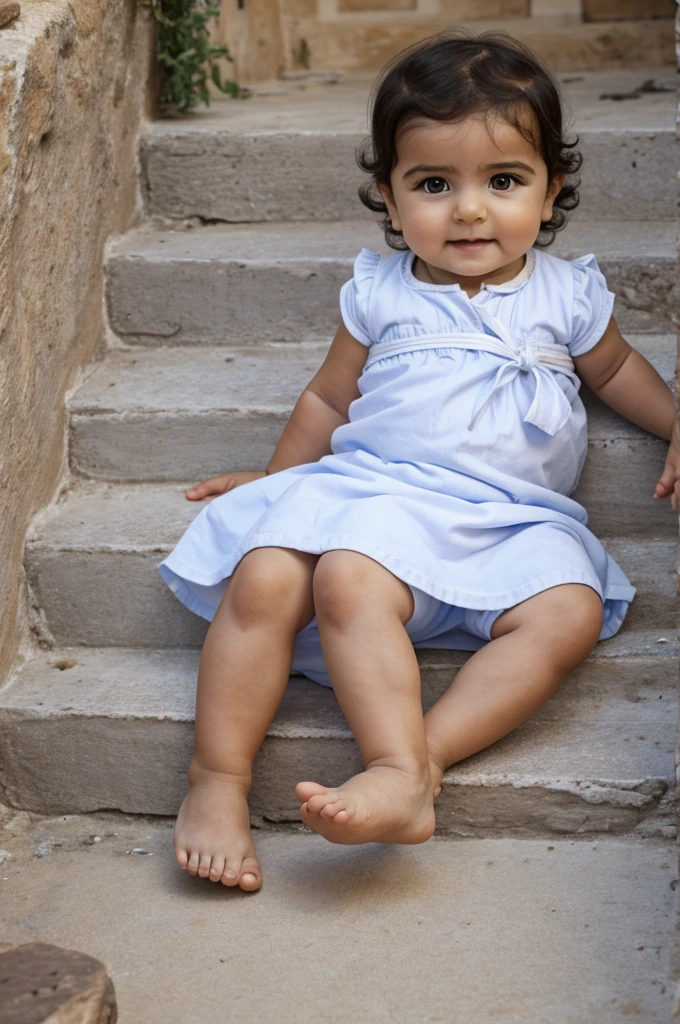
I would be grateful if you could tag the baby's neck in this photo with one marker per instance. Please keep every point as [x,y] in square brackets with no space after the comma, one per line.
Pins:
[430,274]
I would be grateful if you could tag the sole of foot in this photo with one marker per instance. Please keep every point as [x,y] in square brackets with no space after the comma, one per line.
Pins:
[212,835]
[381,805]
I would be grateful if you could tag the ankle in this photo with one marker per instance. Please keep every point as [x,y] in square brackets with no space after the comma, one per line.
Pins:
[415,767]
[199,772]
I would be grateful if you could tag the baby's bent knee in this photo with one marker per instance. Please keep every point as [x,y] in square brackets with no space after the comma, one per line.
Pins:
[566,619]
[272,584]
[347,584]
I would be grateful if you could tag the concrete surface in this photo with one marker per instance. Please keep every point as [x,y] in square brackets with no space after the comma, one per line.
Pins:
[208,286]
[85,729]
[288,152]
[119,533]
[514,931]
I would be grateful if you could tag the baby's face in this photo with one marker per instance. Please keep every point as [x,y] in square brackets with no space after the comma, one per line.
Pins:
[469,198]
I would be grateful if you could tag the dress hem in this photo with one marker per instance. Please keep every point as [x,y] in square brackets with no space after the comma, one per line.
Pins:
[450,595]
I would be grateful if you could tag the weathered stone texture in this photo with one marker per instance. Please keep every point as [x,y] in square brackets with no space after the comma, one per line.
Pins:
[355,46]
[8,12]
[254,34]
[455,10]
[377,5]
[40,982]
[72,84]
[301,8]
[619,10]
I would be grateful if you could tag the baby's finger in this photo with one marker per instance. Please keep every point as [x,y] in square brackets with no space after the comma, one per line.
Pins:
[204,488]
[665,483]
[195,493]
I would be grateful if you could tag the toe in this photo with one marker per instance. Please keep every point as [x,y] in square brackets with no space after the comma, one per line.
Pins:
[216,869]
[316,803]
[331,809]
[182,858]
[304,790]
[192,866]
[204,865]
[231,873]
[251,876]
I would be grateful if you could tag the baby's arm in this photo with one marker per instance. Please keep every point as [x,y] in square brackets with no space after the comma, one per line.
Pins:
[622,377]
[321,407]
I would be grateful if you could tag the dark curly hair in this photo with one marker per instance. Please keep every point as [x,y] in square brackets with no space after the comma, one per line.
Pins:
[452,76]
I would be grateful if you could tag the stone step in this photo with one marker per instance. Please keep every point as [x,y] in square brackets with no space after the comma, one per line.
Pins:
[91,562]
[288,153]
[141,417]
[114,730]
[248,284]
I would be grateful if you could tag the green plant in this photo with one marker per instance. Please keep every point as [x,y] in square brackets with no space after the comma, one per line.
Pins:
[187,58]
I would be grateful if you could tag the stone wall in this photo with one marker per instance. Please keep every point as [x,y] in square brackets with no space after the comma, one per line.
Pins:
[73,80]
[267,37]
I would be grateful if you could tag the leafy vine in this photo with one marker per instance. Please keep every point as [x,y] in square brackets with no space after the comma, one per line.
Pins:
[188,59]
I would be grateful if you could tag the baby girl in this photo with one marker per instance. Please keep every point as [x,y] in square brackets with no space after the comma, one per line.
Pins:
[420,490]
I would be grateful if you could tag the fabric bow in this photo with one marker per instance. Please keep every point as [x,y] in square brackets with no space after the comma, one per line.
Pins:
[550,408]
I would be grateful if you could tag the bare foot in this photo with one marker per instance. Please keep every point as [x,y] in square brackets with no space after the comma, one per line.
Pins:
[384,804]
[212,834]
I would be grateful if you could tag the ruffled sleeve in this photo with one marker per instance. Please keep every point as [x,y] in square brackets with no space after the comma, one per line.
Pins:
[355,295]
[593,304]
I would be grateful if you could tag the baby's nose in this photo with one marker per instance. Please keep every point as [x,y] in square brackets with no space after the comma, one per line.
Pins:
[470,206]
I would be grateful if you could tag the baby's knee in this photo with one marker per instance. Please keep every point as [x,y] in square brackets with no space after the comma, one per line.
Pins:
[338,579]
[566,621]
[572,617]
[271,584]
[348,584]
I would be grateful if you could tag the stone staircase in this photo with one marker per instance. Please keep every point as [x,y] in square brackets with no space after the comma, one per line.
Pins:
[221,305]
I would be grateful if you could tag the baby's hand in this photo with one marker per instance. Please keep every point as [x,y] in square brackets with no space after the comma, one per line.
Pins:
[217,485]
[669,481]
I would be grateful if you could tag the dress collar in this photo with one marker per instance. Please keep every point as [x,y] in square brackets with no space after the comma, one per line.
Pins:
[507,286]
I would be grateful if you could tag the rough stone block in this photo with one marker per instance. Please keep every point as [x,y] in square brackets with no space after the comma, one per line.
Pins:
[44,983]
[376,5]
[622,10]
[355,46]
[455,10]
[289,153]
[73,78]
[302,8]
[181,287]
[8,12]
[556,8]
[115,731]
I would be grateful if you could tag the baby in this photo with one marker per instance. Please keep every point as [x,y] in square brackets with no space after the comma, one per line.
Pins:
[420,490]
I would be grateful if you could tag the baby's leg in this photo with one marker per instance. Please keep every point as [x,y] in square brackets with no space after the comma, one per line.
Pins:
[361,609]
[244,669]
[534,646]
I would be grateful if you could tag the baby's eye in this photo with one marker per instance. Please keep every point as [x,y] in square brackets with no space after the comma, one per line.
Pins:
[504,182]
[433,186]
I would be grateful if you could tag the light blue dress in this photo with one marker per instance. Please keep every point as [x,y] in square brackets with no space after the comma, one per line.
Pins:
[455,468]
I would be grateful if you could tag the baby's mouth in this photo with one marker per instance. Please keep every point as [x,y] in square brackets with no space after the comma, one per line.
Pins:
[471,243]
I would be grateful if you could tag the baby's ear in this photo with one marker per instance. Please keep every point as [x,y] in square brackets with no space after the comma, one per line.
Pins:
[388,199]
[554,189]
